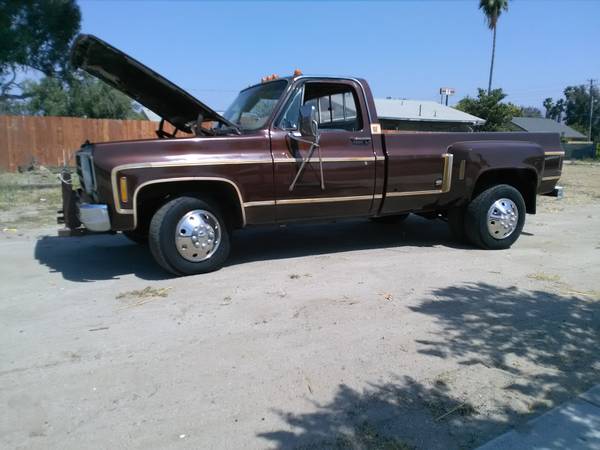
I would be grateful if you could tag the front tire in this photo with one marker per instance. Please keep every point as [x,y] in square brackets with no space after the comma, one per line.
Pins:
[495,218]
[189,236]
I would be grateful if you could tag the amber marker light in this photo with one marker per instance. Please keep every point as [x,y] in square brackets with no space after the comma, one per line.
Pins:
[123,189]
[269,78]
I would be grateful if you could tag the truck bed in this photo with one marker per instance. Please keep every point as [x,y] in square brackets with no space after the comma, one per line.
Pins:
[422,163]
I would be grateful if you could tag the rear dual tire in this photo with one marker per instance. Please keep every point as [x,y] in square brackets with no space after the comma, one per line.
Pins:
[493,220]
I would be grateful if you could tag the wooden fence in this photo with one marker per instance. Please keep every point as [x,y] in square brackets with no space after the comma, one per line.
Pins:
[52,141]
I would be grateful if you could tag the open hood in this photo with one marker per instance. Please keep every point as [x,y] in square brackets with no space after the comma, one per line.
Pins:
[139,82]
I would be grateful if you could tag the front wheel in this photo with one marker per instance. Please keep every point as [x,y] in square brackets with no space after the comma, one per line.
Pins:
[495,218]
[188,236]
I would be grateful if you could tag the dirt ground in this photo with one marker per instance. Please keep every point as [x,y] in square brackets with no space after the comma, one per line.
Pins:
[347,335]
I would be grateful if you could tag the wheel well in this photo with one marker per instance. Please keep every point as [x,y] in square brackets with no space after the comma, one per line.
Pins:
[152,196]
[524,180]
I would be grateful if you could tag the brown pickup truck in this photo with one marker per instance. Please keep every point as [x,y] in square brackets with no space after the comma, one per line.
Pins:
[291,149]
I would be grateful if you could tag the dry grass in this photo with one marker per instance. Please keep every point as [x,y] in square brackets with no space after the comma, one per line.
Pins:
[581,181]
[541,276]
[147,292]
[140,297]
[29,200]
[562,287]
[591,295]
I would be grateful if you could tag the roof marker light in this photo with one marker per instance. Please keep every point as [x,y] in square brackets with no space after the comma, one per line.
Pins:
[269,78]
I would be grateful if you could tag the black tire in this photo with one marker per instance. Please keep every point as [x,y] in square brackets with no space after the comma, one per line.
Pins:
[398,218]
[137,237]
[161,237]
[456,223]
[476,217]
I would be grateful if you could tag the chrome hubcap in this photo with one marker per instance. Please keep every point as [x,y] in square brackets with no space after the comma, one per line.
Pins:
[198,235]
[502,218]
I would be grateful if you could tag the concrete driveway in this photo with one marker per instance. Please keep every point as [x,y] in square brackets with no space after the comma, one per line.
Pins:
[347,335]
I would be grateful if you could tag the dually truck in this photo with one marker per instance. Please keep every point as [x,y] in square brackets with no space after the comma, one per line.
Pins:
[298,148]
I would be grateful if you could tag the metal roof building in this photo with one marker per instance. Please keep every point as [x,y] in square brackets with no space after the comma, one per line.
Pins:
[422,110]
[539,124]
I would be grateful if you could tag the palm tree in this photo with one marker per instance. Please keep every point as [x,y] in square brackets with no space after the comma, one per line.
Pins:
[492,10]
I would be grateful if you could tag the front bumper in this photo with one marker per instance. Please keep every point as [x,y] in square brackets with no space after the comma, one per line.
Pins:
[94,216]
[75,213]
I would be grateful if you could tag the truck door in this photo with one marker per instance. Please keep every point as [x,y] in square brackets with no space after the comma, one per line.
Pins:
[347,157]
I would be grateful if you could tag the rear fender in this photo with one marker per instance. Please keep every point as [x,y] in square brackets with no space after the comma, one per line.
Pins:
[481,164]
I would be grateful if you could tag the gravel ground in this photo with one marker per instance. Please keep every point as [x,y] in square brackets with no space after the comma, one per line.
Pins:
[347,335]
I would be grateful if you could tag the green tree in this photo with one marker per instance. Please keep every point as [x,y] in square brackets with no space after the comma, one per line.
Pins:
[491,108]
[82,96]
[577,109]
[575,106]
[35,34]
[554,110]
[530,111]
[492,9]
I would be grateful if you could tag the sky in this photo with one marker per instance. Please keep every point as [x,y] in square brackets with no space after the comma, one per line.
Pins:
[405,49]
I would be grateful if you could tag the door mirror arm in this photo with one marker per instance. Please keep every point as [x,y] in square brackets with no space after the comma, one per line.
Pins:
[309,134]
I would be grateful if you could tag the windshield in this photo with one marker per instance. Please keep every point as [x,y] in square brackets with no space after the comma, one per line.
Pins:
[253,106]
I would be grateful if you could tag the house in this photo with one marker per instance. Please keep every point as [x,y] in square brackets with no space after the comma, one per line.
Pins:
[422,115]
[541,125]
[575,144]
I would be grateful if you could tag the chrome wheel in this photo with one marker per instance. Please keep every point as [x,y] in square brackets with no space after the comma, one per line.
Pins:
[198,235]
[502,218]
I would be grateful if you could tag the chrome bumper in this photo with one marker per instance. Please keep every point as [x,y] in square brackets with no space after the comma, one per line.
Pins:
[75,212]
[94,216]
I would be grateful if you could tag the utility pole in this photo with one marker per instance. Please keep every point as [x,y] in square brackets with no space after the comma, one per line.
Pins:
[591,108]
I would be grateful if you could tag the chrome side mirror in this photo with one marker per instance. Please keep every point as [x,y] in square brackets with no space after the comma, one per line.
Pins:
[309,126]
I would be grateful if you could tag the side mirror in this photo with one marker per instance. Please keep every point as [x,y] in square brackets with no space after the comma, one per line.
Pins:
[309,127]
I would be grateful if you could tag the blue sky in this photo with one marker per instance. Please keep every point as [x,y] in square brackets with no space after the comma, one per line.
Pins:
[405,49]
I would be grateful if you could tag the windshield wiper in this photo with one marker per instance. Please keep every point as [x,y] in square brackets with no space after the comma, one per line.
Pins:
[228,125]
[227,129]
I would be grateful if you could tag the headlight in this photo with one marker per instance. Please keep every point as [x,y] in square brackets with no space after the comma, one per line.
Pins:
[85,170]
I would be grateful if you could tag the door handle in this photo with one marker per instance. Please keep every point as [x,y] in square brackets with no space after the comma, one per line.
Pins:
[360,140]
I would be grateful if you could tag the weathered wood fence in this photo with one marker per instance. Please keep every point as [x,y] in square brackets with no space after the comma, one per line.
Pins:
[52,141]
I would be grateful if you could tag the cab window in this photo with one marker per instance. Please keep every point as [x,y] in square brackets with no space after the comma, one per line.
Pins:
[336,106]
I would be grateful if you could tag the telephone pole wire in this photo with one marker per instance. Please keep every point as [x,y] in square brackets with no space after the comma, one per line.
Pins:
[591,108]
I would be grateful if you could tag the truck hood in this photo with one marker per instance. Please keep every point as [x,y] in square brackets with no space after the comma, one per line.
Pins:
[139,82]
